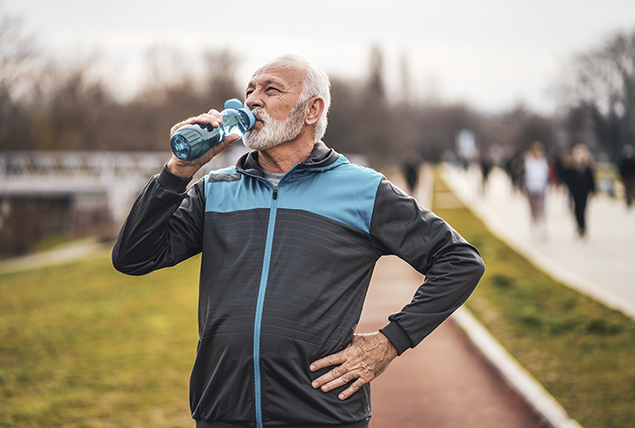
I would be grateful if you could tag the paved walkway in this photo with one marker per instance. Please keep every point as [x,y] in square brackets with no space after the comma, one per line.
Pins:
[85,250]
[602,265]
[442,383]
[458,376]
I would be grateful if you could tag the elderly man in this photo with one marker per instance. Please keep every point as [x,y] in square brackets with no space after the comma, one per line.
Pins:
[289,239]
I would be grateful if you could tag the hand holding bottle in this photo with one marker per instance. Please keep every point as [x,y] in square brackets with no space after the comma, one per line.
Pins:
[185,168]
[195,141]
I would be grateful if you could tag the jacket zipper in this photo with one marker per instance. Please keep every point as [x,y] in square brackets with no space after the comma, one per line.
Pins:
[260,306]
[262,288]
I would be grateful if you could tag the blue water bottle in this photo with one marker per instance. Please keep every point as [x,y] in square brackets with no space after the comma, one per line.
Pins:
[190,142]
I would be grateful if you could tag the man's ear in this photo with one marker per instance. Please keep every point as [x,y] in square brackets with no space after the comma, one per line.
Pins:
[314,110]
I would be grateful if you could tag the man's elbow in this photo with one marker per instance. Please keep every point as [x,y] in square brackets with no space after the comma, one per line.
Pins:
[477,267]
[472,266]
[125,266]
[481,266]
[120,265]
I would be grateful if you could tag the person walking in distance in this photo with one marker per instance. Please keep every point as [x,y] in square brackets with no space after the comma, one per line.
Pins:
[581,185]
[289,238]
[627,173]
[536,180]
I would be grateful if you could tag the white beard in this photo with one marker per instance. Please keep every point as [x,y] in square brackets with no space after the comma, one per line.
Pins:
[273,133]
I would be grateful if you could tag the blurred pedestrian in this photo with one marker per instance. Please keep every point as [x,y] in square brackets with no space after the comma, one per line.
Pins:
[536,180]
[581,184]
[486,163]
[515,168]
[627,172]
[410,165]
[564,167]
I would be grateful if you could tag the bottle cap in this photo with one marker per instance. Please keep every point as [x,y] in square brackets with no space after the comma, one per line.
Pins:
[250,116]
[234,103]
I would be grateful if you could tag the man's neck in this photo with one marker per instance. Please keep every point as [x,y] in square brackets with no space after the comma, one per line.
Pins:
[282,158]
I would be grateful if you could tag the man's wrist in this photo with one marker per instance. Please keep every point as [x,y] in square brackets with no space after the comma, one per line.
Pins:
[396,336]
[173,182]
[391,350]
[178,169]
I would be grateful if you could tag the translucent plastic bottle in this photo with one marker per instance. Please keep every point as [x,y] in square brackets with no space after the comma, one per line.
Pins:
[190,142]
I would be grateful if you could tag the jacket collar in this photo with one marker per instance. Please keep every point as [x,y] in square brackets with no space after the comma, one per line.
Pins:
[321,157]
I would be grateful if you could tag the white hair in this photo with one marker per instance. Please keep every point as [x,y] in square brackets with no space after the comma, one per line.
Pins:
[316,83]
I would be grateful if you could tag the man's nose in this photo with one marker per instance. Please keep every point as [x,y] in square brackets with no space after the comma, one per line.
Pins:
[253,100]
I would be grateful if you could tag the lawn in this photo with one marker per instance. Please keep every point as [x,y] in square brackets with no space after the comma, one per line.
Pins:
[582,352]
[84,346]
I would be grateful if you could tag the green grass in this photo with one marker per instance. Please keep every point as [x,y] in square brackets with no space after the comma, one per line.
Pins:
[84,346]
[582,352]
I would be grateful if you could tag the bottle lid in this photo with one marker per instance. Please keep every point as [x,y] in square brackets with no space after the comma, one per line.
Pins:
[250,116]
[234,103]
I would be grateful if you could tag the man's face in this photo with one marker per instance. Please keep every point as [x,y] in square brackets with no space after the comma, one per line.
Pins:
[273,94]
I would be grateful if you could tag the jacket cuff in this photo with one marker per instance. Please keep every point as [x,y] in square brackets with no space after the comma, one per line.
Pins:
[397,337]
[173,182]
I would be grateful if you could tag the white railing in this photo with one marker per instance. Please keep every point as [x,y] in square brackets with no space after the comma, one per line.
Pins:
[16,165]
[119,176]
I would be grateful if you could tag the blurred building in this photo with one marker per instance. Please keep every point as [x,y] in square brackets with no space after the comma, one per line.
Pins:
[70,194]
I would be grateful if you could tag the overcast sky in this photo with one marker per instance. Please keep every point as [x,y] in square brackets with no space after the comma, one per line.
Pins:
[491,54]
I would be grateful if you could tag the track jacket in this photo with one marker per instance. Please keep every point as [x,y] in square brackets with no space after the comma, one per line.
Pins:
[284,275]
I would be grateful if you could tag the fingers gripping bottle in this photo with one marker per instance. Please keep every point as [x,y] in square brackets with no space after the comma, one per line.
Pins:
[190,142]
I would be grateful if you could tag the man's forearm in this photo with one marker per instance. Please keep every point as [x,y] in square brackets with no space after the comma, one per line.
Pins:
[155,235]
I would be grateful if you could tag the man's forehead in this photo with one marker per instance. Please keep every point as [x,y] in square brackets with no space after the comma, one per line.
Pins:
[277,72]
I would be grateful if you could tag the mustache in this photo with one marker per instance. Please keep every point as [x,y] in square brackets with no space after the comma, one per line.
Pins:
[261,115]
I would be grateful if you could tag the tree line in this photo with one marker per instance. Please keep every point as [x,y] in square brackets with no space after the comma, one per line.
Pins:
[47,105]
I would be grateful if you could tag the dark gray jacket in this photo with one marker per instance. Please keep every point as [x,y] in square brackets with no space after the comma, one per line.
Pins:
[284,274]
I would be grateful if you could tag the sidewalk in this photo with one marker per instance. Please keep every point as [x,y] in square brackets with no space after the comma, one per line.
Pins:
[601,266]
[442,383]
[85,250]
[459,375]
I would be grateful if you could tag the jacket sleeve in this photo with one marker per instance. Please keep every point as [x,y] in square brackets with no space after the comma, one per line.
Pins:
[452,267]
[164,226]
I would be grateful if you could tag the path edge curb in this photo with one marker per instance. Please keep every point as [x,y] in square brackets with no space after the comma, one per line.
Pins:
[519,379]
[569,279]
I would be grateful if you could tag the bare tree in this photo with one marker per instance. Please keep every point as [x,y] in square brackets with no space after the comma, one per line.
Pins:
[377,122]
[166,65]
[345,117]
[376,87]
[177,87]
[604,86]
[69,108]
[406,84]
[16,49]
[221,77]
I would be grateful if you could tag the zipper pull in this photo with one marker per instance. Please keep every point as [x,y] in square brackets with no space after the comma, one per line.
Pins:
[275,192]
